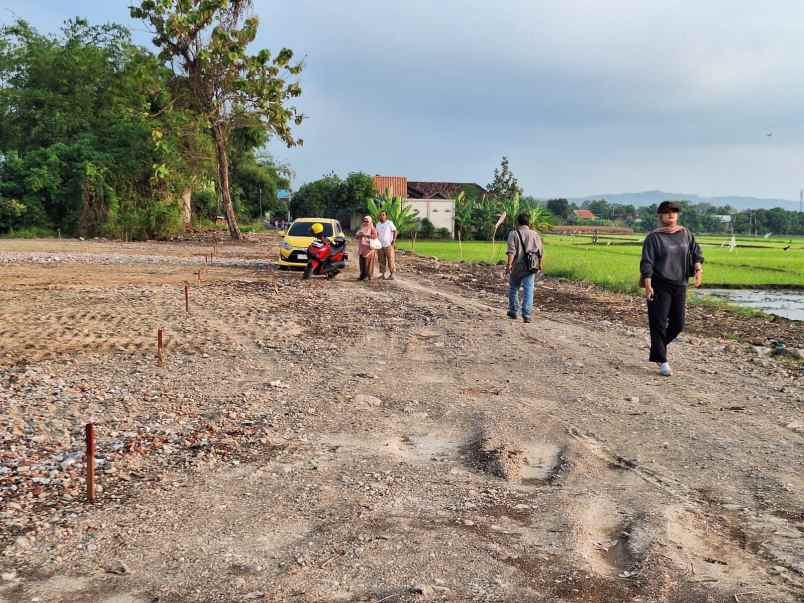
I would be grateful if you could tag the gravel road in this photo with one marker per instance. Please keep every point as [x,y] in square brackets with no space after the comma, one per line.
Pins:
[390,441]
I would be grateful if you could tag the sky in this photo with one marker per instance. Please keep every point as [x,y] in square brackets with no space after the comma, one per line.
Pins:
[582,96]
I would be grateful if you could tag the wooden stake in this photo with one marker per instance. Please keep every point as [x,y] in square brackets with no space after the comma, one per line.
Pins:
[198,274]
[187,298]
[160,349]
[90,433]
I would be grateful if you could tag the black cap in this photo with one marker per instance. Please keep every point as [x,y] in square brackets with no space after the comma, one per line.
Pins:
[666,207]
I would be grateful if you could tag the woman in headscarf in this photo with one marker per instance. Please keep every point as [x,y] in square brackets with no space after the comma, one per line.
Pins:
[670,255]
[365,253]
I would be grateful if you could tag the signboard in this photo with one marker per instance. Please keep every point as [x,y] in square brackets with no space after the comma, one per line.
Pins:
[283,194]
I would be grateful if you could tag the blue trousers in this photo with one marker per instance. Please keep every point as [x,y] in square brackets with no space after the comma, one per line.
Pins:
[526,281]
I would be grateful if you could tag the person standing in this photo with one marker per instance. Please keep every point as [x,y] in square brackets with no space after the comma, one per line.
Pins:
[387,233]
[521,242]
[365,251]
[670,255]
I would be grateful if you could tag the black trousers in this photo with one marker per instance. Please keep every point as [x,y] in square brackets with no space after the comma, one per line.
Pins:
[665,317]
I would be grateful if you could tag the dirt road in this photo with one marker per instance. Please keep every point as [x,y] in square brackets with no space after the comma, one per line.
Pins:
[392,441]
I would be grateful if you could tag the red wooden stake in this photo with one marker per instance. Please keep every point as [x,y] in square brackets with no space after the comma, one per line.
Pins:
[159,347]
[90,431]
[187,298]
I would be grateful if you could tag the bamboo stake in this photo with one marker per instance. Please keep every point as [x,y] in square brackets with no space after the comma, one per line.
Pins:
[90,437]
[187,298]
[160,349]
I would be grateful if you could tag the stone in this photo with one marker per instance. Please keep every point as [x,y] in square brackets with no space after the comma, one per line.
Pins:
[366,400]
[117,567]
[8,576]
[632,399]
[422,590]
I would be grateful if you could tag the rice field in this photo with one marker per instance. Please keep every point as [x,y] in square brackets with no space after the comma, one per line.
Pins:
[614,261]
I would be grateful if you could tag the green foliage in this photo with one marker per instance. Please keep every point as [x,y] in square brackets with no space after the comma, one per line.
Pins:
[205,204]
[331,197]
[232,89]
[317,199]
[560,208]
[90,137]
[616,266]
[426,229]
[398,210]
[29,232]
[504,185]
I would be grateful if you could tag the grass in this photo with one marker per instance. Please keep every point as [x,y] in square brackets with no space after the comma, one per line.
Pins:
[32,232]
[614,262]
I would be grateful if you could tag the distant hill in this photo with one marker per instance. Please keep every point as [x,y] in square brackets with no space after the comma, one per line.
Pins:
[651,197]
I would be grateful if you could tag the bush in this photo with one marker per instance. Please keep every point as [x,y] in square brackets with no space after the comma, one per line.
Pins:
[426,229]
[30,232]
[442,233]
[205,205]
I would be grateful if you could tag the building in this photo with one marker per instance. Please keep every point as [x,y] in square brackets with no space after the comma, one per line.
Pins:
[584,214]
[432,200]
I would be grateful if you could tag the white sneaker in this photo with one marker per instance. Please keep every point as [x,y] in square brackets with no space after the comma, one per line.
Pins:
[664,369]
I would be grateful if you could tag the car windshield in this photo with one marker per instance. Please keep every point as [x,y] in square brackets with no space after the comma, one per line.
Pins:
[303,229]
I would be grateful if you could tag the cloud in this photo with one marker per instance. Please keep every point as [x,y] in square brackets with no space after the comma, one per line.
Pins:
[582,95]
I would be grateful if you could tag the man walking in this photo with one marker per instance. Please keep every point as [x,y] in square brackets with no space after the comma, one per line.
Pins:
[386,232]
[521,242]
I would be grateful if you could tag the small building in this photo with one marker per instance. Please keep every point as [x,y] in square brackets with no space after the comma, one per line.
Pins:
[432,200]
[584,214]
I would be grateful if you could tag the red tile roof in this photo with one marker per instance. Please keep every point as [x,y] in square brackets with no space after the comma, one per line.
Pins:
[397,184]
[441,190]
[585,214]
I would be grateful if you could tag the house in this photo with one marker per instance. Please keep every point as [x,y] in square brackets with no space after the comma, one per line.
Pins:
[431,200]
[584,214]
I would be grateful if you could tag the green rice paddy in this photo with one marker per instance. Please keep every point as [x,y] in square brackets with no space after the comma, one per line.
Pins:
[614,261]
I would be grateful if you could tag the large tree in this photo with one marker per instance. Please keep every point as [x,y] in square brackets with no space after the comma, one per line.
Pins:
[208,40]
[504,185]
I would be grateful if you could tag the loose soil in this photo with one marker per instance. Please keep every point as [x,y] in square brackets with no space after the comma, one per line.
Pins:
[386,441]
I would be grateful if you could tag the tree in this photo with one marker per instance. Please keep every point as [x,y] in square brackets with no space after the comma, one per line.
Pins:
[504,185]
[560,208]
[398,210]
[315,199]
[209,39]
[355,193]
[90,134]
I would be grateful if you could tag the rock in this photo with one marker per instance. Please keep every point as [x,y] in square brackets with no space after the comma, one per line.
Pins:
[8,576]
[422,590]
[117,567]
[784,352]
[366,400]
[632,399]
[796,426]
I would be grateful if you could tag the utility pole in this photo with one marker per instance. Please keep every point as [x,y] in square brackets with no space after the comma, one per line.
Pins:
[262,215]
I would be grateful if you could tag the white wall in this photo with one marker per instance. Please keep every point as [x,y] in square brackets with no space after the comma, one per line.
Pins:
[441,212]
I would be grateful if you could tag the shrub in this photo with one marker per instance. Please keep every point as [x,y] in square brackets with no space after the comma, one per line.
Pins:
[426,229]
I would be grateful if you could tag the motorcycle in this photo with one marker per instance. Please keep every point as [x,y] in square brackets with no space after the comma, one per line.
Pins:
[325,257]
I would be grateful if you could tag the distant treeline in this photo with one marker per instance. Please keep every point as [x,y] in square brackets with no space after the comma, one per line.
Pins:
[700,217]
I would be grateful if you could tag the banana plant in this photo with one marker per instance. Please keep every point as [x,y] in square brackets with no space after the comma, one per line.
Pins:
[404,217]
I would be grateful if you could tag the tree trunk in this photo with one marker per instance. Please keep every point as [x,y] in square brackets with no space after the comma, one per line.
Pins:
[186,208]
[223,176]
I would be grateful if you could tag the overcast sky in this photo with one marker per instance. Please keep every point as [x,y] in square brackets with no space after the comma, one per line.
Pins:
[583,97]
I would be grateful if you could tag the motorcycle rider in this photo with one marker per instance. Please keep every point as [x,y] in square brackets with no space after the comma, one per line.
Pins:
[321,239]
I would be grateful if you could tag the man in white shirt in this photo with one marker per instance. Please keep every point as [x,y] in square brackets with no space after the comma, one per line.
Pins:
[386,232]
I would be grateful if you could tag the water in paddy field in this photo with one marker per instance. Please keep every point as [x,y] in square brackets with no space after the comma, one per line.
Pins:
[781,302]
